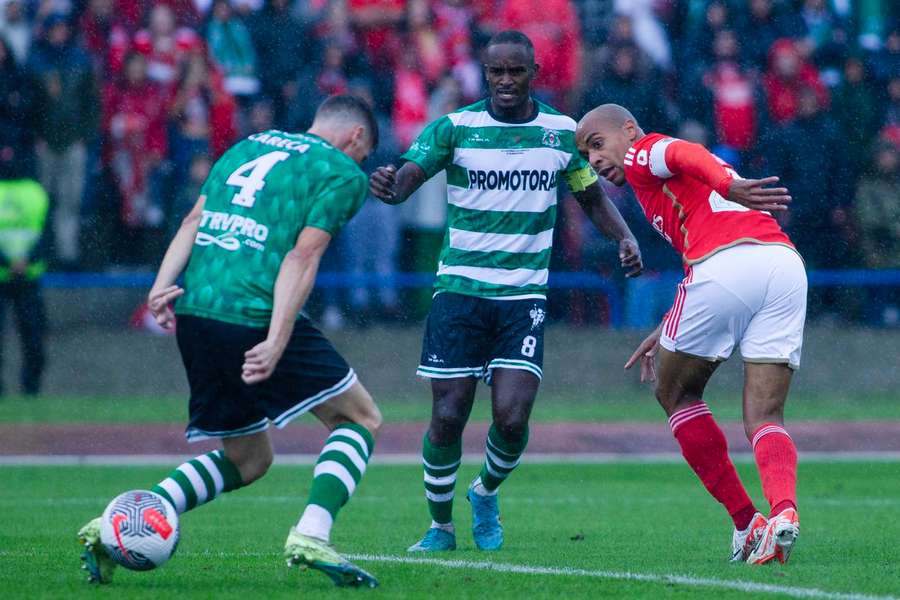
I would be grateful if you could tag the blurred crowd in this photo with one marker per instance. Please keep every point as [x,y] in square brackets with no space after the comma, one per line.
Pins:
[119,107]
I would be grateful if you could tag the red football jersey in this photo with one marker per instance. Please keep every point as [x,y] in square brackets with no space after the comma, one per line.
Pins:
[682,188]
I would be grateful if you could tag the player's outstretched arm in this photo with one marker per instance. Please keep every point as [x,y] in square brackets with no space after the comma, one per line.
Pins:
[164,289]
[701,164]
[293,285]
[393,186]
[607,218]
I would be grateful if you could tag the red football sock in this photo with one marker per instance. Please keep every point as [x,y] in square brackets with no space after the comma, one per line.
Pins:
[776,459]
[705,449]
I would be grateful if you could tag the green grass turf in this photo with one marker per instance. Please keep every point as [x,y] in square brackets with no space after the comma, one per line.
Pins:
[644,519]
[625,406]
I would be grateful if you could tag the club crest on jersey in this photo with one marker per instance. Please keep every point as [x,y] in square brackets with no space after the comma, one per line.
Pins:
[537,317]
[419,146]
[551,138]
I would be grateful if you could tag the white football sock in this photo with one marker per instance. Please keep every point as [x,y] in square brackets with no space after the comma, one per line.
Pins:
[316,522]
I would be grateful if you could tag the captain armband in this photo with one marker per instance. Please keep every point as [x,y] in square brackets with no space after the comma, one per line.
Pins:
[579,179]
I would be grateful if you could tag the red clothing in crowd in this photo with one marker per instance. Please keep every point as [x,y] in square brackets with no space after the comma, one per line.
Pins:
[136,116]
[683,190]
[134,124]
[377,23]
[454,28]
[552,26]
[410,104]
[164,55]
[206,111]
[734,104]
[131,13]
[783,92]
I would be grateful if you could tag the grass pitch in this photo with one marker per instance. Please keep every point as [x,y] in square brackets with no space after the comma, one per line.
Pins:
[572,531]
[634,405]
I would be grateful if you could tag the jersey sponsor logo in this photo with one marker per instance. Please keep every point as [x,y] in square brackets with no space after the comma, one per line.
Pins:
[231,228]
[525,180]
[551,138]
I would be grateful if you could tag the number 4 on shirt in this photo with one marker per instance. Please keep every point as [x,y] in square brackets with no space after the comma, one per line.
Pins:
[256,180]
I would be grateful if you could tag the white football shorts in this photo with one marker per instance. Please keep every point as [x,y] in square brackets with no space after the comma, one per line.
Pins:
[751,294]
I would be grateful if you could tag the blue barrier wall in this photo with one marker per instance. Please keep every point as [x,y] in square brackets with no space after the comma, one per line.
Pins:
[609,288]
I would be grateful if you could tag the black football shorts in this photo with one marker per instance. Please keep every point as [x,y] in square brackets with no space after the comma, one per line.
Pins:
[309,373]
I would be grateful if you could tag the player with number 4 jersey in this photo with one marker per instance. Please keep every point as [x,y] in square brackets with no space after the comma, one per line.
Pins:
[250,250]
[745,285]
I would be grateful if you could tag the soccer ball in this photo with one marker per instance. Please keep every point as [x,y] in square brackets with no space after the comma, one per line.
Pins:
[139,530]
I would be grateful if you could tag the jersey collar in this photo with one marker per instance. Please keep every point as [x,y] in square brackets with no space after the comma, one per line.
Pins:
[529,119]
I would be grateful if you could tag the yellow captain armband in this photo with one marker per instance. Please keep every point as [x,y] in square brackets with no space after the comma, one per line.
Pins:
[579,179]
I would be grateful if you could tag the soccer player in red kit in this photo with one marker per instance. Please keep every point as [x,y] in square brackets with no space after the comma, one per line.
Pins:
[745,285]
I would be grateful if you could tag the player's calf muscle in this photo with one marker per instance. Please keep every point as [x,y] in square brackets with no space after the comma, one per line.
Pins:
[766,387]
[251,462]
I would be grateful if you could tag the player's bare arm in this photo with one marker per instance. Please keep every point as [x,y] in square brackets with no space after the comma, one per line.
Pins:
[293,285]
[393,186]
[607,218]
[164,289]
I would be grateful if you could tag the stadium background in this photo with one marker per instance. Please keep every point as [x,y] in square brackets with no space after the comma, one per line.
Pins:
[153,92]
[809,90]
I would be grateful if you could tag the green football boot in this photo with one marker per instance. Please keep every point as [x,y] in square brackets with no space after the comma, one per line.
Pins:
[309,552]
[97,562]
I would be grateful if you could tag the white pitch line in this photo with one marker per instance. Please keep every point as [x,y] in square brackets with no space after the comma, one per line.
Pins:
[114,460]
[749,587]
[416,499]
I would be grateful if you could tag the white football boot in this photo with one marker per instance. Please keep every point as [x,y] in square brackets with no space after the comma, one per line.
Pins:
[777,539]
[743,542]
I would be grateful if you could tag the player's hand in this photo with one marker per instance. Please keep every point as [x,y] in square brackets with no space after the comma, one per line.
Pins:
[158,302]
[630,257]
[383,183]
[260,361]
[646,354]
[754,194]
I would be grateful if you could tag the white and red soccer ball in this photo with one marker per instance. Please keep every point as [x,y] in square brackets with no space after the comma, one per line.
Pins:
[139,530]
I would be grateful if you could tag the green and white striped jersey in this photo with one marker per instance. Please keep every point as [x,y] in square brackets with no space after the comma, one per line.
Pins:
[502,191]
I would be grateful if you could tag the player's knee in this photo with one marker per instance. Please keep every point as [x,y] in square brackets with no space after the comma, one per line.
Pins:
[673,399]
[447,425]
[511,428]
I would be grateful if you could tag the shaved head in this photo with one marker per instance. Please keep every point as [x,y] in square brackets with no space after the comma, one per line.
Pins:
[610,115]
[604,135]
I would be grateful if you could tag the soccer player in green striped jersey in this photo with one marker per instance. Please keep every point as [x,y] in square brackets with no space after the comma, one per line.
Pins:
[250,250]
[504,157]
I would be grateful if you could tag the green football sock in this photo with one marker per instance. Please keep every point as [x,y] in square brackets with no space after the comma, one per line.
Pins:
[501,457]
[338,471]
[441,464]
[198,481]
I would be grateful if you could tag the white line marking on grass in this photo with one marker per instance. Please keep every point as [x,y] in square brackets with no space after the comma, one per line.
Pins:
[104,460]
[742,586]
